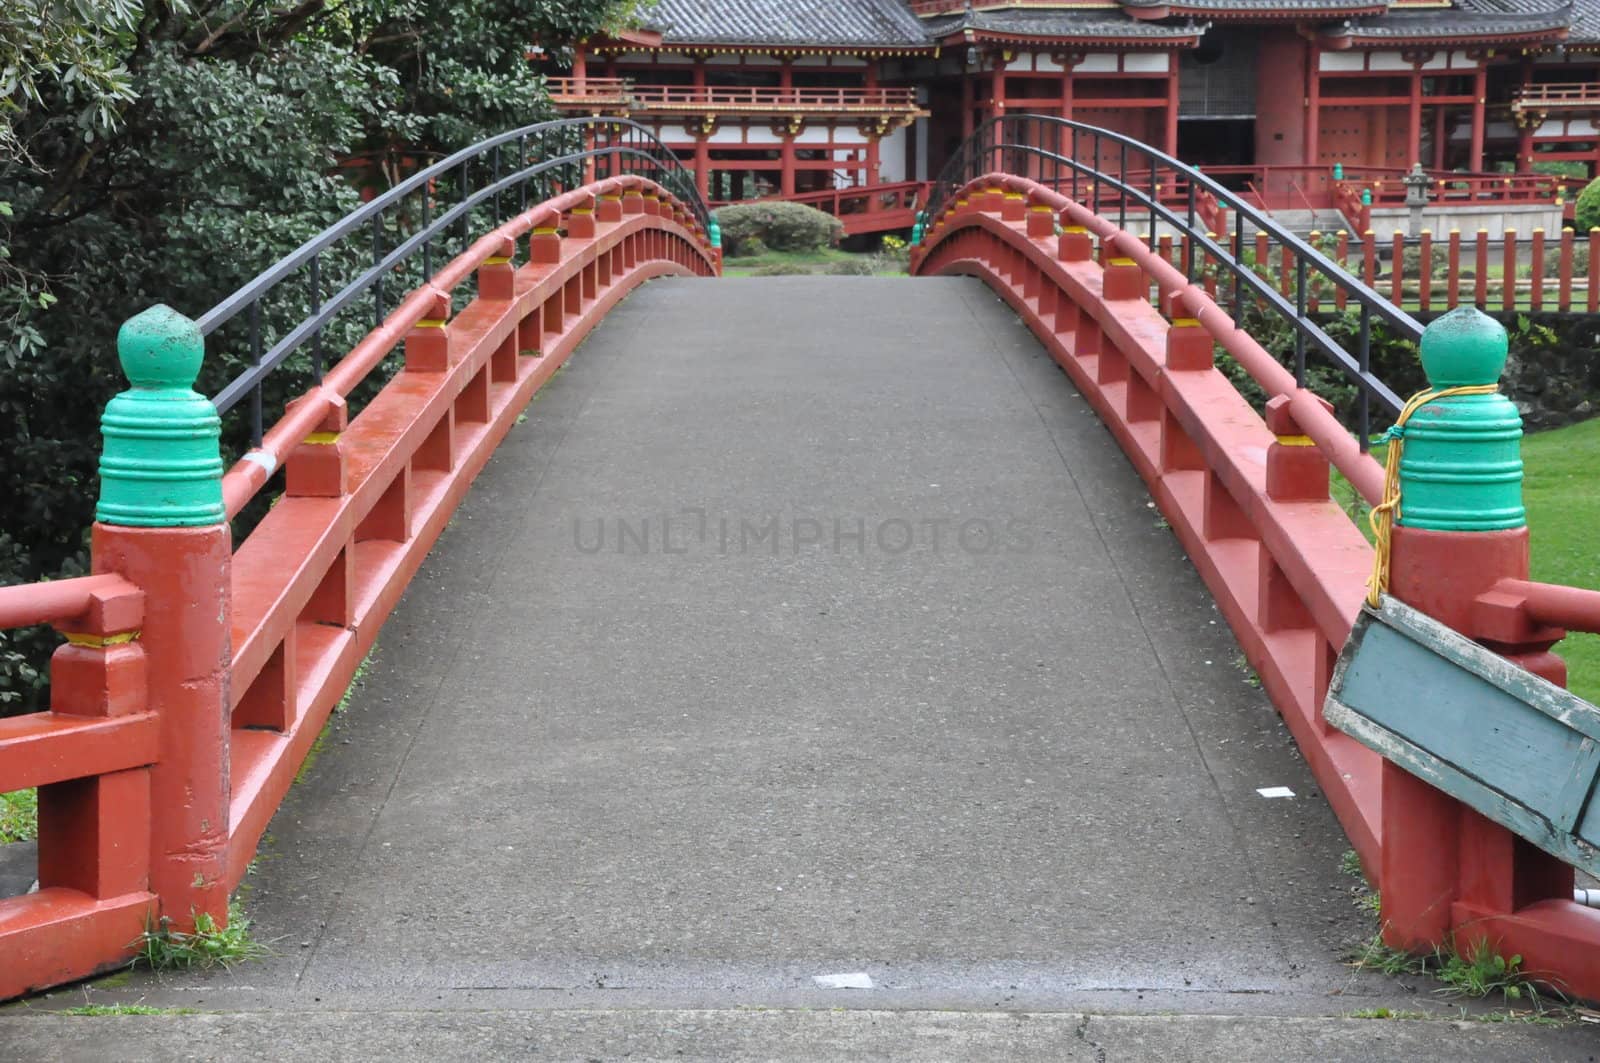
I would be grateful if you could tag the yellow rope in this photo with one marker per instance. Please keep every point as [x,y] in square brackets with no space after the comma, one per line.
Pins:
[1384,514]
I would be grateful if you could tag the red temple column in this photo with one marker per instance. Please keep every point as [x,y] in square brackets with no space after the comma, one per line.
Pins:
[873,158]
[997,88]
[580,67]
[786,185]
[786,76]
[1066,87]
[1480,93]
[1525,131]
[1440,128]
[1169,142]
[966,106]
[1414,125]
[700,76]
[1313,138]
[702,164]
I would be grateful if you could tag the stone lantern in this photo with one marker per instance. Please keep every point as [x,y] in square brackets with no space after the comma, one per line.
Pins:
[1417,183]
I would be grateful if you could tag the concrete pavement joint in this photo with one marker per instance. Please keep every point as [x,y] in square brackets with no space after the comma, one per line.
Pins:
[466,637]
[1133,605]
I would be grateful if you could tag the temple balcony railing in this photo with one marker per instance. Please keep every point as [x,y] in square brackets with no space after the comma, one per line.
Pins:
[1558,96]
[620,94]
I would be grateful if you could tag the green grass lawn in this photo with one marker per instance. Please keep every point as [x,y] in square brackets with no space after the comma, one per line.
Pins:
[1562,494]
[1561,489]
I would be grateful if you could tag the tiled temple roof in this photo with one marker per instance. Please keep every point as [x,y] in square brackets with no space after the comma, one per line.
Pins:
[1493,20]
[1583,15]
[1260,8]
[1054,25]
[892,23]
[818,23]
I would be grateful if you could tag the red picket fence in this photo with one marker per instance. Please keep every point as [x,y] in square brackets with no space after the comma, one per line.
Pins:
[197,673]
[1504,272]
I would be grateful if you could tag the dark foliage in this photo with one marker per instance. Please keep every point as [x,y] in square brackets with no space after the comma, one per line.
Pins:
[167,152]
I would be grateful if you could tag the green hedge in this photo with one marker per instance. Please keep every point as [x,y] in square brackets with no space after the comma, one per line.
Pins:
[748,228]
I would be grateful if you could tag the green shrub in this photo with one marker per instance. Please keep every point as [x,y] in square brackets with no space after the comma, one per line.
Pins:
[854,267]
[1411,261]
[781,269]
[779,226]
[1588,208]
[894,255]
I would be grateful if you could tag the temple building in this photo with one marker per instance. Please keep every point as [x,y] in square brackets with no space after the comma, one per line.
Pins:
[786,97]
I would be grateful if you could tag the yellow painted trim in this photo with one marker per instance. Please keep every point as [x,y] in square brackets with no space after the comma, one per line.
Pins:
[1296,441]
[100,641]
[1122,262]
[431,322]
[322,439]
[496,260]
[1073,229]
[1015,195]
[546,231]
[582,210]
[1040,209]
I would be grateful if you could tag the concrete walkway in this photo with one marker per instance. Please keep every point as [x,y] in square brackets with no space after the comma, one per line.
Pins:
[808,626]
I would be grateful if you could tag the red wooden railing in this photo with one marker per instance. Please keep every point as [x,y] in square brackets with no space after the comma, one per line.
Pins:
[621,91]
[166,752]
[91,756]
[1576,95]
[1314,188]
[1250,503]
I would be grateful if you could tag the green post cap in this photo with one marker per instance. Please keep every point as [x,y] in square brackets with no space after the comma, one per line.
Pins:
[161,466]
[714,231]
[1461,469]
[1338,171]
[1366,197]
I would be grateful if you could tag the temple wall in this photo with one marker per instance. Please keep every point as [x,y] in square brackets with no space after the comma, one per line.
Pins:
[1280,99]
[892,156]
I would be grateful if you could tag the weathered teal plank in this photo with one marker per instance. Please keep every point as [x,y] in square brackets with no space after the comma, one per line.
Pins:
[1520,750]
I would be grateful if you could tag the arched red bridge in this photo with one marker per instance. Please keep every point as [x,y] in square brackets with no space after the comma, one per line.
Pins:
[804,632]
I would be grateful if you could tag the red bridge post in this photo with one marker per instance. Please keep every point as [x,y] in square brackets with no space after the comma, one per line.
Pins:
[1443,865]
[160,523]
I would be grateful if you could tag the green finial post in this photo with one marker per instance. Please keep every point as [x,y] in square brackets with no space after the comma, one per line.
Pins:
[1366,197]
[918,229]
[162,462]
[1461,469]
[1338,171]
[714,231]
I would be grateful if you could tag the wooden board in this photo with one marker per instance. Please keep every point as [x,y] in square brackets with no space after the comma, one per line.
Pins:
[1519,749]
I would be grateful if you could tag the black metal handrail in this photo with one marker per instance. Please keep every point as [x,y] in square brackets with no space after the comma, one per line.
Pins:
[527,164]
[1007,143]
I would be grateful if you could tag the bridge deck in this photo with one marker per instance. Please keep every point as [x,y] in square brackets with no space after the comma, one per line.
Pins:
[637,778]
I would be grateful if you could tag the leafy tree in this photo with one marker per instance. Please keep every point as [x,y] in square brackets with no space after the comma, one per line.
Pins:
[167,151]
[1587,209]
